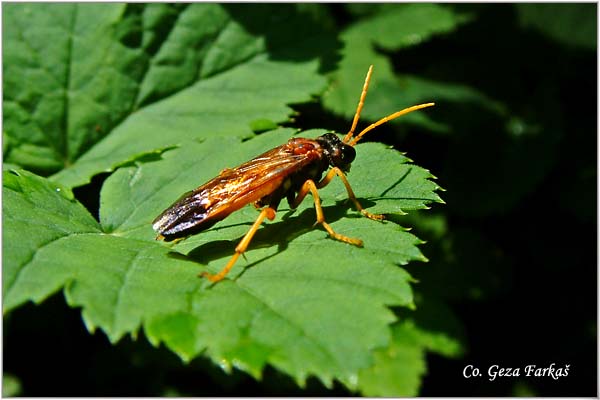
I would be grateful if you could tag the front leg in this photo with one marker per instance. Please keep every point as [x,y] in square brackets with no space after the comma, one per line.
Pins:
[336,171]
[310,186]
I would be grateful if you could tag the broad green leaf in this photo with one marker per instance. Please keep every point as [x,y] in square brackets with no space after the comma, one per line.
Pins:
[398,369]
[572,24]
[404,25]
[36,214]
[393,28]
[229,108]
[89,87]
[286,306]
[68,79]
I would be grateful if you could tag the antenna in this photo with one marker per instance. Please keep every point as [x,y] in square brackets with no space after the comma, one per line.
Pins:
[361,102]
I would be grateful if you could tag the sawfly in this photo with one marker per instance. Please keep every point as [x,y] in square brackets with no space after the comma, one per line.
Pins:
[291,170]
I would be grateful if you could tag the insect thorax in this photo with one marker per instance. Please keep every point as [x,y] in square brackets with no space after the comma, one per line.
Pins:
[338,153]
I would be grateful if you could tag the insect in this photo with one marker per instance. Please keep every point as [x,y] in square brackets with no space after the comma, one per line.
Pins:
[291,170]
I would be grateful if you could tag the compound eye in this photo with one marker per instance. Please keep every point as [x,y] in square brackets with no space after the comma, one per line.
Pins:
[348,154]
[343,157]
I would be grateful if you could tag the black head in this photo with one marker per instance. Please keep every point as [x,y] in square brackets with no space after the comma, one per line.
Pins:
[339,154]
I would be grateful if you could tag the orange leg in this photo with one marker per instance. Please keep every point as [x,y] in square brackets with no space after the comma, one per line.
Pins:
[309,186]
[267,212]
[336,171]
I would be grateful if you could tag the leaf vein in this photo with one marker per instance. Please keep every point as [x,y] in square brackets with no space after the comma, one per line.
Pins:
[67,88]
[118,301]
[292,323]
[33,255]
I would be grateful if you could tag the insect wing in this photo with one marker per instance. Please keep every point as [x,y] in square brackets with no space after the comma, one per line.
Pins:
[201,208]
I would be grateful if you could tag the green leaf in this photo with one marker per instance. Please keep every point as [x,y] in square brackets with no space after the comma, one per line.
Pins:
[457,254]
[396,27]
[286,306]
[572,24]
[405,25]
[11,385]
[68,79]
[36,214]
[150,187]
[88,87]
[434,325]
[523,389]
[398,369]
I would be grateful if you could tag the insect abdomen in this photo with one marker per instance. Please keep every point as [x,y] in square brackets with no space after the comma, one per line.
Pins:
[196,212]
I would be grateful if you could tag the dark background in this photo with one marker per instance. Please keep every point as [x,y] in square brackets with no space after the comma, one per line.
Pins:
[521,225]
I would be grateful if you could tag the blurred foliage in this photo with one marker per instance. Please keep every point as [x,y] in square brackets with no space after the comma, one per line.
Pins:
[512,273]
[569,25]
[11,387]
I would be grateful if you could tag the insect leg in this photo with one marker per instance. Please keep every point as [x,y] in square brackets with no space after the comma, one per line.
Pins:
[309,186]
[267,212]
[336,171]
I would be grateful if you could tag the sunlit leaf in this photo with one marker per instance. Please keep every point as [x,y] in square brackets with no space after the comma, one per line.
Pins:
[88,87]
[287,305]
